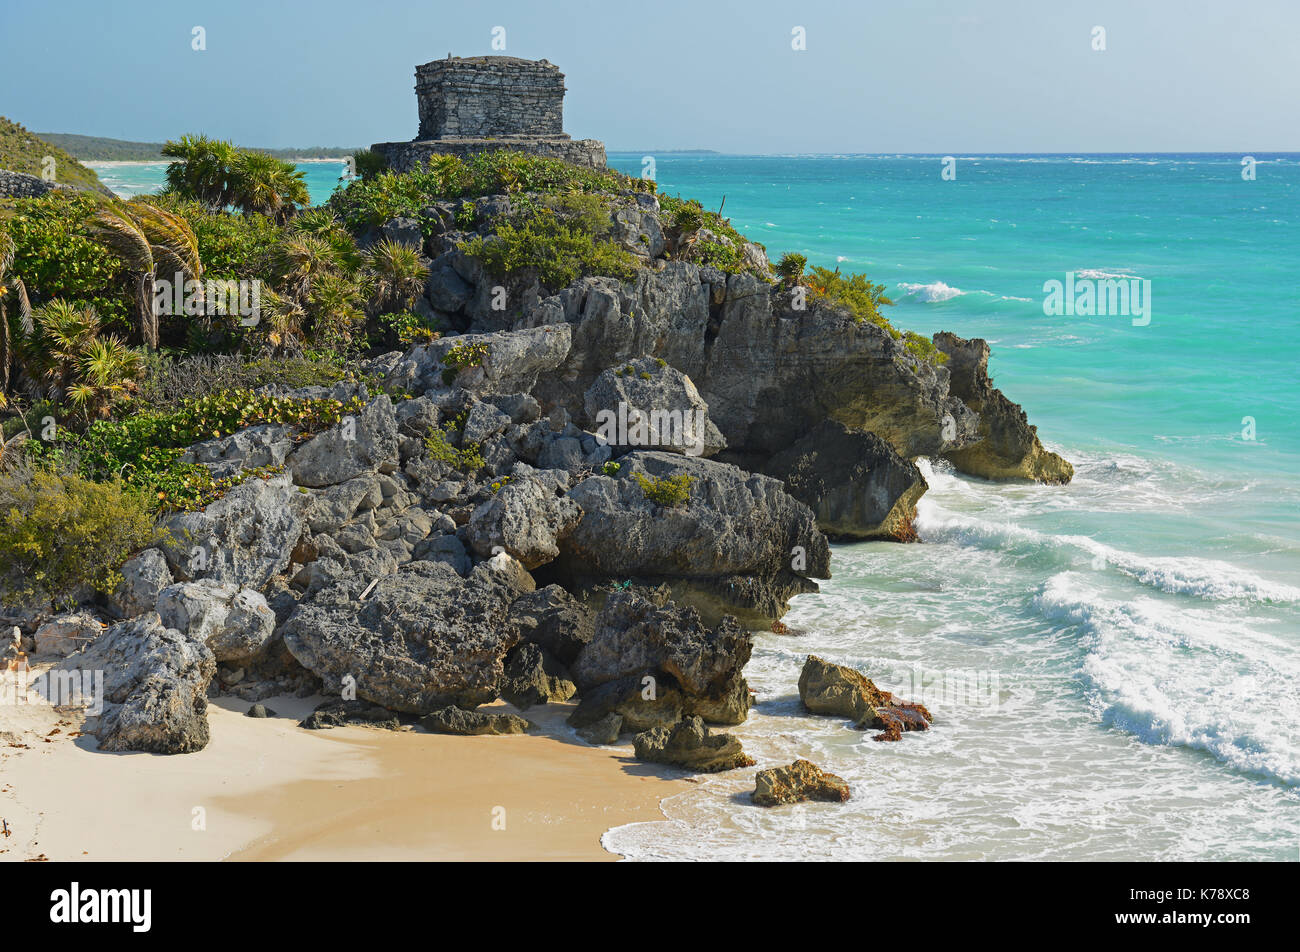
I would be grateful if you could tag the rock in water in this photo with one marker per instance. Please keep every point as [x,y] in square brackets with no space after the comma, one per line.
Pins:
[855,482]
[155,682]
[689,744]
[455,720]
[800,781]
[1009,447]
[834,689]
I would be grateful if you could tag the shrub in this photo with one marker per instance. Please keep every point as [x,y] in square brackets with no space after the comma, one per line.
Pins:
[923,348]
[438,444]
[667,491]
[60,531]
[791,266]
[460,356]
[557,252]
[56,257]
[852,293]
[611,468]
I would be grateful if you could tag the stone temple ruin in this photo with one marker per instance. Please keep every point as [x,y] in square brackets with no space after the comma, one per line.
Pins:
[478,103]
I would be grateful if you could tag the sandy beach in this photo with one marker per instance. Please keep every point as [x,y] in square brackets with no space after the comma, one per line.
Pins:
[266,789]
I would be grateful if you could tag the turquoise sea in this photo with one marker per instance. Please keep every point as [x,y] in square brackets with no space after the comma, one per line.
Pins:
[1113,665]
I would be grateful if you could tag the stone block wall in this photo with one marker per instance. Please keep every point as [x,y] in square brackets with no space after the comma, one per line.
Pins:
[486,96]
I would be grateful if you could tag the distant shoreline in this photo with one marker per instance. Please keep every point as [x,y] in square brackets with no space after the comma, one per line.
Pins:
[113,163]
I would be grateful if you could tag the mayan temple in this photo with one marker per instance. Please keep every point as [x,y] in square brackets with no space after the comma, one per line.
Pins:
[477,103]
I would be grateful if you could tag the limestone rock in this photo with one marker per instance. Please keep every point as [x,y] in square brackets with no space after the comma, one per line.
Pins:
[65,634]
[362,444]
[236,624]
[555,621]
[423,638]
[800,781]
[856,483]
[526,519]
[646,403]
[1008,447]
[643,701]
[827,688]
[155,682]
[534,677]
[340,713]
[604,731]
[144,576]
[455,720]
[689,744]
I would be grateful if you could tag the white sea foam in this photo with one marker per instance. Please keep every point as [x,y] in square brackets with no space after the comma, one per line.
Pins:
[938,291]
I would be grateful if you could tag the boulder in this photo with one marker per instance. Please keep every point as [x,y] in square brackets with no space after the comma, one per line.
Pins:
[635,633]
[856,483]
[646,403]
[455,720]
[827,688]
[144,576]
[64,634]
[689,744]
[155,682]
[423,638]
[739,537]
[534,677]
[244,538]
[512,361]
[235,623]
[338,713]
[643,701]
[252,448]
[796,783]
[1008,446]
[365,443]
[602,732]
[524,518]
[555,621]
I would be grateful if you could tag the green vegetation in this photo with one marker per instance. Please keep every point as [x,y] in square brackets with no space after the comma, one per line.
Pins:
[667,491]
[791,267]
[863,300]
[460,356]
[218,176]
[60,531]
[696,234]
[26,152]
[611,468]
[439,444]
[376,198]
[98,149]
[558,252]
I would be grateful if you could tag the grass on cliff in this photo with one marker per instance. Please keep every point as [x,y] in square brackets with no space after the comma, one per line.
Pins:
[23,151]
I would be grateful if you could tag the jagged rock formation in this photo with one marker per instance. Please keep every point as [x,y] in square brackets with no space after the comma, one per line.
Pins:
[827,688]
[1009,446]
[800,781]
[690,744]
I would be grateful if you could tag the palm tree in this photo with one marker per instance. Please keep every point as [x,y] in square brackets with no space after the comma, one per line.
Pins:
[108,371]
[303,261]
[398,275]
[264,185]
[52,356]
[202,170]
[11,284]
[284,319]
[150,241]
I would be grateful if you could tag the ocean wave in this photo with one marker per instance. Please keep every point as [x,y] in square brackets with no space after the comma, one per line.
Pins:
[1198,577]
[1095,274]
[933,293]
[1182,679]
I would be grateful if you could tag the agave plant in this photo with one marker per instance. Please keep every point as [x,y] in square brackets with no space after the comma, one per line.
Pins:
[398,275]
[11,289]
[150,241]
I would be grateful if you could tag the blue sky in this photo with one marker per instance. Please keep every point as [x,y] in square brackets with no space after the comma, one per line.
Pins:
[945,76]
